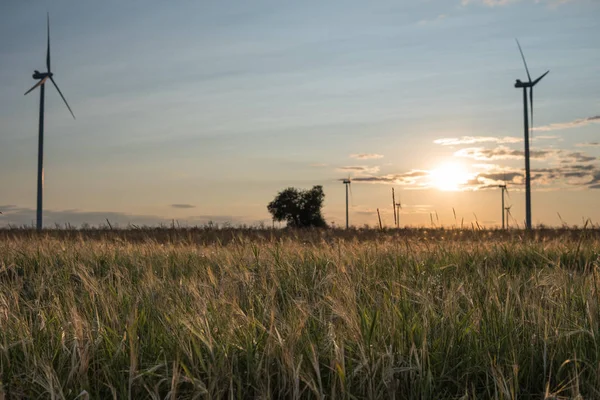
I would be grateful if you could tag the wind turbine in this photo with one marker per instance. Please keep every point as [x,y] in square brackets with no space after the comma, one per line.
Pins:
[504,190]
[398,208]
[508,214]
[394,207]
[530,84]
[347,182]
[43,77]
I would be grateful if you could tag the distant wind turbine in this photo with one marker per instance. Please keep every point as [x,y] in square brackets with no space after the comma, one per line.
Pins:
[508,215]
[504,190]
[347,182]
[530,84]
[394,207]
[43,77]
[398,208]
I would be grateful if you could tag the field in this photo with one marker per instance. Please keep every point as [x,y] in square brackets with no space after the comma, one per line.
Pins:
[208,313]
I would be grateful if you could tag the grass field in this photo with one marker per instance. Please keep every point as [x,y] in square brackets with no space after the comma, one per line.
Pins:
[410,314]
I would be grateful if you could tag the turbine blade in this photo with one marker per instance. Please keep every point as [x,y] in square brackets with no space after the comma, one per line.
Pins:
[48,48]
[524,62]
[40,83]
[63,97]
[539,79]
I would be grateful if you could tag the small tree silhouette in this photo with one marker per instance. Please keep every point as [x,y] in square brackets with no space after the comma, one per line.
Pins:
[299,208]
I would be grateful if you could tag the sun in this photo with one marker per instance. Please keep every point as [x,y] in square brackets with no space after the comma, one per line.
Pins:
[449,176]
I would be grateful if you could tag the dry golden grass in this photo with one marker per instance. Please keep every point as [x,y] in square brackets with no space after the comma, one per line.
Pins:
[202,314]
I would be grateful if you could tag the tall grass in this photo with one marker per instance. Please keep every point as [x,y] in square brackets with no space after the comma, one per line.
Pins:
[426,316]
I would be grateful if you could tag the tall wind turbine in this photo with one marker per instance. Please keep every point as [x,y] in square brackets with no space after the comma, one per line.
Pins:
[43,77]
[529,84]
[347,182]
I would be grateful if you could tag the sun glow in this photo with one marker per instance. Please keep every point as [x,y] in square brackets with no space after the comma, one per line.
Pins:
[449,176]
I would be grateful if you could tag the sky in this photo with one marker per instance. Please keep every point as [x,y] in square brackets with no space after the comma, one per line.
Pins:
[202,111]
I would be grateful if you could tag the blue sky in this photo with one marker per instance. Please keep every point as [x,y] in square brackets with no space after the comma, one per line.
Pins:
[215,106]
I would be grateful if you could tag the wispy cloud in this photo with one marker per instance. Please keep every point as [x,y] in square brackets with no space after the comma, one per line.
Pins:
[568,125]
[588,144]
[576,156]
[360,169]
[578,173]
[406,178]
[183,206]
[506,153]
[476,139]
[366,156]
[564,176]
[502,153]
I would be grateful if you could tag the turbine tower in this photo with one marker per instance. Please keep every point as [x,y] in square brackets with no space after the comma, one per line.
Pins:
[347,182]
[529,84]
[394,207]
[43,77]
[503,189]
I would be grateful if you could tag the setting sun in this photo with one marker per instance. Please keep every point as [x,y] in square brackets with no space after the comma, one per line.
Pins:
[449,176]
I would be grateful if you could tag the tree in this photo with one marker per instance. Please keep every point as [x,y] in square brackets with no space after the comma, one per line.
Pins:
[300,208]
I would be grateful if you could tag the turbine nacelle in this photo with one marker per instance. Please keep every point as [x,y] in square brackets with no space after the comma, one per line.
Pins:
[520,84]
[530,84]
[41,75]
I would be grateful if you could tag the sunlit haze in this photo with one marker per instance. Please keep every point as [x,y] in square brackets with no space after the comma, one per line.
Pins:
[450,176]
[202,111]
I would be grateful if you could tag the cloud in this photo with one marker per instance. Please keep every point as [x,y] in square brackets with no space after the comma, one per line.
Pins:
[594,183]
[500,176]
[407,178]
[183,206]
[360,169]
[545,137]
[366,156]
[574,171]
[487,139]
[318,165]
[576,156]
[563,176]
[568,125]
[503,153]
[588,144]
[506,153]
[476,139]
